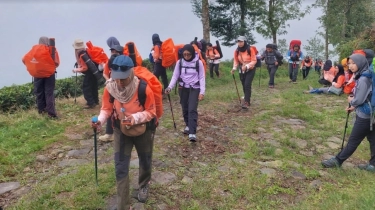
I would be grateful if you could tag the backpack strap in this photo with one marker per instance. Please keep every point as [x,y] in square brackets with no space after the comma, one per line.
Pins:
[248,50]
[142,92]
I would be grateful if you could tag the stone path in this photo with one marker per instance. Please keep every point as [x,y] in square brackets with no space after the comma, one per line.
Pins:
[68,157]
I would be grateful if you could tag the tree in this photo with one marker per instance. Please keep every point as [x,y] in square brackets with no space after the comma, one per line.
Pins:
[283,47]
[230,19]
[345,19]
[275,13]
[314,47]
[201,10]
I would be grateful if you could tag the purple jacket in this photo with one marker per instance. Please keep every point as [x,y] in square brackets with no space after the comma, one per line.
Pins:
[190,75]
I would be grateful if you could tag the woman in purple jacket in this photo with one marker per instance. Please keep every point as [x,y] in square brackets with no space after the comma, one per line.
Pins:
[190,74]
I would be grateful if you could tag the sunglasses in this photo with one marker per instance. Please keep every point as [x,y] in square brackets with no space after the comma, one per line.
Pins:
[186,54]
[116,67]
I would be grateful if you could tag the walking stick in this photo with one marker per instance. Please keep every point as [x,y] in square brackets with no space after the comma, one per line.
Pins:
[260,71]
[235,83]
[75,87]
[95,120]
[346,126]
[170,104]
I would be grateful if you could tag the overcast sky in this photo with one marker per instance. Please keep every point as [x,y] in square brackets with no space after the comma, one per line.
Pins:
[23,23]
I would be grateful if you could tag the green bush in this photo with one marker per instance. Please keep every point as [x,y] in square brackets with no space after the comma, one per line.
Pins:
[22,96]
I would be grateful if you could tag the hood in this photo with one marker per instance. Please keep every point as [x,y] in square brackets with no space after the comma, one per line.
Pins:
[112,41]
[361,63]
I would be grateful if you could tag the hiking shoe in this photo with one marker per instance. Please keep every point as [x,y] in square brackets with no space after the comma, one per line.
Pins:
[294,82]
[245,105]
[306,92]
[331,163]
[310,88]
[192,138]
[186,130]
[106,138]
[143,194]
[90,106]
[367,167]
[271,86]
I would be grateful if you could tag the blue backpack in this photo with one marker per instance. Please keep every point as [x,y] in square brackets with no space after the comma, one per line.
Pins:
[369,106]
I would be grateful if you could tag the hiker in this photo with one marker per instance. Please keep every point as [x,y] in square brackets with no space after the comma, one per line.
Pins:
[90,84]
[43,75]
[358,102]
[328,74]
[336,85]
[349,77]
[190,75]
[246,62]
[306,66]
[131,127]
[271,57]
[159,69]
[318,65]
[116,50]
[294,57]
[214,60]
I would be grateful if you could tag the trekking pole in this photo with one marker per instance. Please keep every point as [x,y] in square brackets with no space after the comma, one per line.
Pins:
[95,120]
[170,104]
[260,71]
[346,126]
[75,87]
[235,83]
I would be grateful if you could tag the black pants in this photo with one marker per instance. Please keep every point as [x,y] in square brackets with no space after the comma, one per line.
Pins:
[160,70]
[109,126]
[43,89]
[324,82]
[305,71]
[361,129]
[246,81]
[189,104]
[214,67]
[90,89]
[271,72]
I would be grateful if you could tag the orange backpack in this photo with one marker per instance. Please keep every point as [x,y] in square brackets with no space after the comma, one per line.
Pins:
[97,54]
[168,53]
[152,81]
[197,50]
[39,62]
[138,57]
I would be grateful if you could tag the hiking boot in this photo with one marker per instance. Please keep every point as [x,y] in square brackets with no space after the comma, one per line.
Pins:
[331,163]
[367,167]
[90,106]
[271,86]
[192,138]
[143,194]
[294,82]
[310,88]
[306,92]
[245,105]
[186,130]
[106,138]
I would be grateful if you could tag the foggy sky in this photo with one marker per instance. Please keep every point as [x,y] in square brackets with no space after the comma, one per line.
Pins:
[23,23]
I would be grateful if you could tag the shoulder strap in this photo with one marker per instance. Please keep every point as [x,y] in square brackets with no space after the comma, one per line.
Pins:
[180,67]
[142,92]
[197,66]
[248,50]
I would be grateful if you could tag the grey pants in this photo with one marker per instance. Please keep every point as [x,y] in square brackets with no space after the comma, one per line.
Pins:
[189,104]
[123,146]
[214,67]
[293,71]
[361,129]
[272,71]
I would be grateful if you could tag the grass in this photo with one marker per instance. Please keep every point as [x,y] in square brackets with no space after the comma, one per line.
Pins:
[221,180]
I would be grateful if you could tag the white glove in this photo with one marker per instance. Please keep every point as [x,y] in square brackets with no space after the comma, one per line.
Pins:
[108,81]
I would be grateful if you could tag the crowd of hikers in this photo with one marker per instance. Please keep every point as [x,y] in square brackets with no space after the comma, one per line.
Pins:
[132,101]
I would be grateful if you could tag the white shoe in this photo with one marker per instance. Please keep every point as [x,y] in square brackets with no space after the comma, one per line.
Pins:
[106,138]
